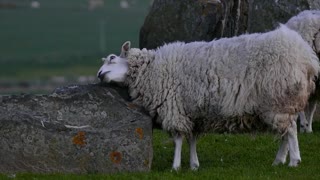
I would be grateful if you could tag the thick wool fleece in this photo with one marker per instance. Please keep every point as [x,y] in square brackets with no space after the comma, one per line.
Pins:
[208,84]
[307,24]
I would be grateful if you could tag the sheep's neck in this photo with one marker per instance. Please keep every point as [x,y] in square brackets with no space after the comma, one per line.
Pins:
[137,67]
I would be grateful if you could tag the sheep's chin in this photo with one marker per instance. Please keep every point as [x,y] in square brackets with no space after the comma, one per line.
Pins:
[112,83]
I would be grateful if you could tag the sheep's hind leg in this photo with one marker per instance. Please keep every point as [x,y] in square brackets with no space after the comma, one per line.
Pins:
[177,152]
[294,151]
[194,162]
[311,110]
[283,151]
[303,121]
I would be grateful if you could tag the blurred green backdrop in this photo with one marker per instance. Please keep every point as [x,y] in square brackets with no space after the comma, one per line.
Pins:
[45,38]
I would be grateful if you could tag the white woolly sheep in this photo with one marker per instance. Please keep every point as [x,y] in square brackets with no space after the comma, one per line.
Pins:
[192,88]
[307,24]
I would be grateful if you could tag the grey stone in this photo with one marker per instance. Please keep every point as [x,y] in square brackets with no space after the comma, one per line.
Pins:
[266,15]
[314,4]
[75,129]
[189,20]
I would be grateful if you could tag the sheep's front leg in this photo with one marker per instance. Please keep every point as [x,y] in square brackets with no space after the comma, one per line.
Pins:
[194,162]
[283,151]
[294,151]
[177,152]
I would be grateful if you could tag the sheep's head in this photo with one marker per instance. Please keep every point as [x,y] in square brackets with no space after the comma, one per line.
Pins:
[115,68]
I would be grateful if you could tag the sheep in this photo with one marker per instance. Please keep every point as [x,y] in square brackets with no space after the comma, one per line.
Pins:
[192,88]
[307,24]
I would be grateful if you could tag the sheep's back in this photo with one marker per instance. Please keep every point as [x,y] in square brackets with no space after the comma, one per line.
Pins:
[245,74]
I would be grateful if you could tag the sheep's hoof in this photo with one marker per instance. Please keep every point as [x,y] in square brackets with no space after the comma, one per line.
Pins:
[302,129]
[277,162]
[194,167]
[175,169]
[294,163]
[308,130]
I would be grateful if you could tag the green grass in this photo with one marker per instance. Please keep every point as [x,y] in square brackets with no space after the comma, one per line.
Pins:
[221,156]
[64,34]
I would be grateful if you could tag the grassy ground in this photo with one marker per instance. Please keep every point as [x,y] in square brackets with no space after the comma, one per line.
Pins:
[222,156]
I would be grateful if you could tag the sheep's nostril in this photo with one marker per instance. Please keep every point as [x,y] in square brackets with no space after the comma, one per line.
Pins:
[100,76]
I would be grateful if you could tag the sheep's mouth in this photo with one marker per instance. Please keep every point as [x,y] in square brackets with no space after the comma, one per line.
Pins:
[102,75]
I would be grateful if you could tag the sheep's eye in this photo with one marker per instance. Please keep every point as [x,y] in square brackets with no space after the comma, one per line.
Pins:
[111,58]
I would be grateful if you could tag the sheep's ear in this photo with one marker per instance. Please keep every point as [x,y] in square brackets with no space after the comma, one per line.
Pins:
[124,49]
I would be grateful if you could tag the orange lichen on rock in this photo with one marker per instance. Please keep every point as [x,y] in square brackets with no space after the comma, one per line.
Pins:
[79,139]
[146,162]
[139,131]
[115,157]
[132,106]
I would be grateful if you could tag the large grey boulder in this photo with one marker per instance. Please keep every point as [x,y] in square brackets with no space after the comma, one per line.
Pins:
[189,20]
[266,15]
[75,129]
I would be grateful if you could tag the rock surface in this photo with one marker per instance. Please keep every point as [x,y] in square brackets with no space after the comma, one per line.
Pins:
[75,129]
[266,15]
[189,20]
